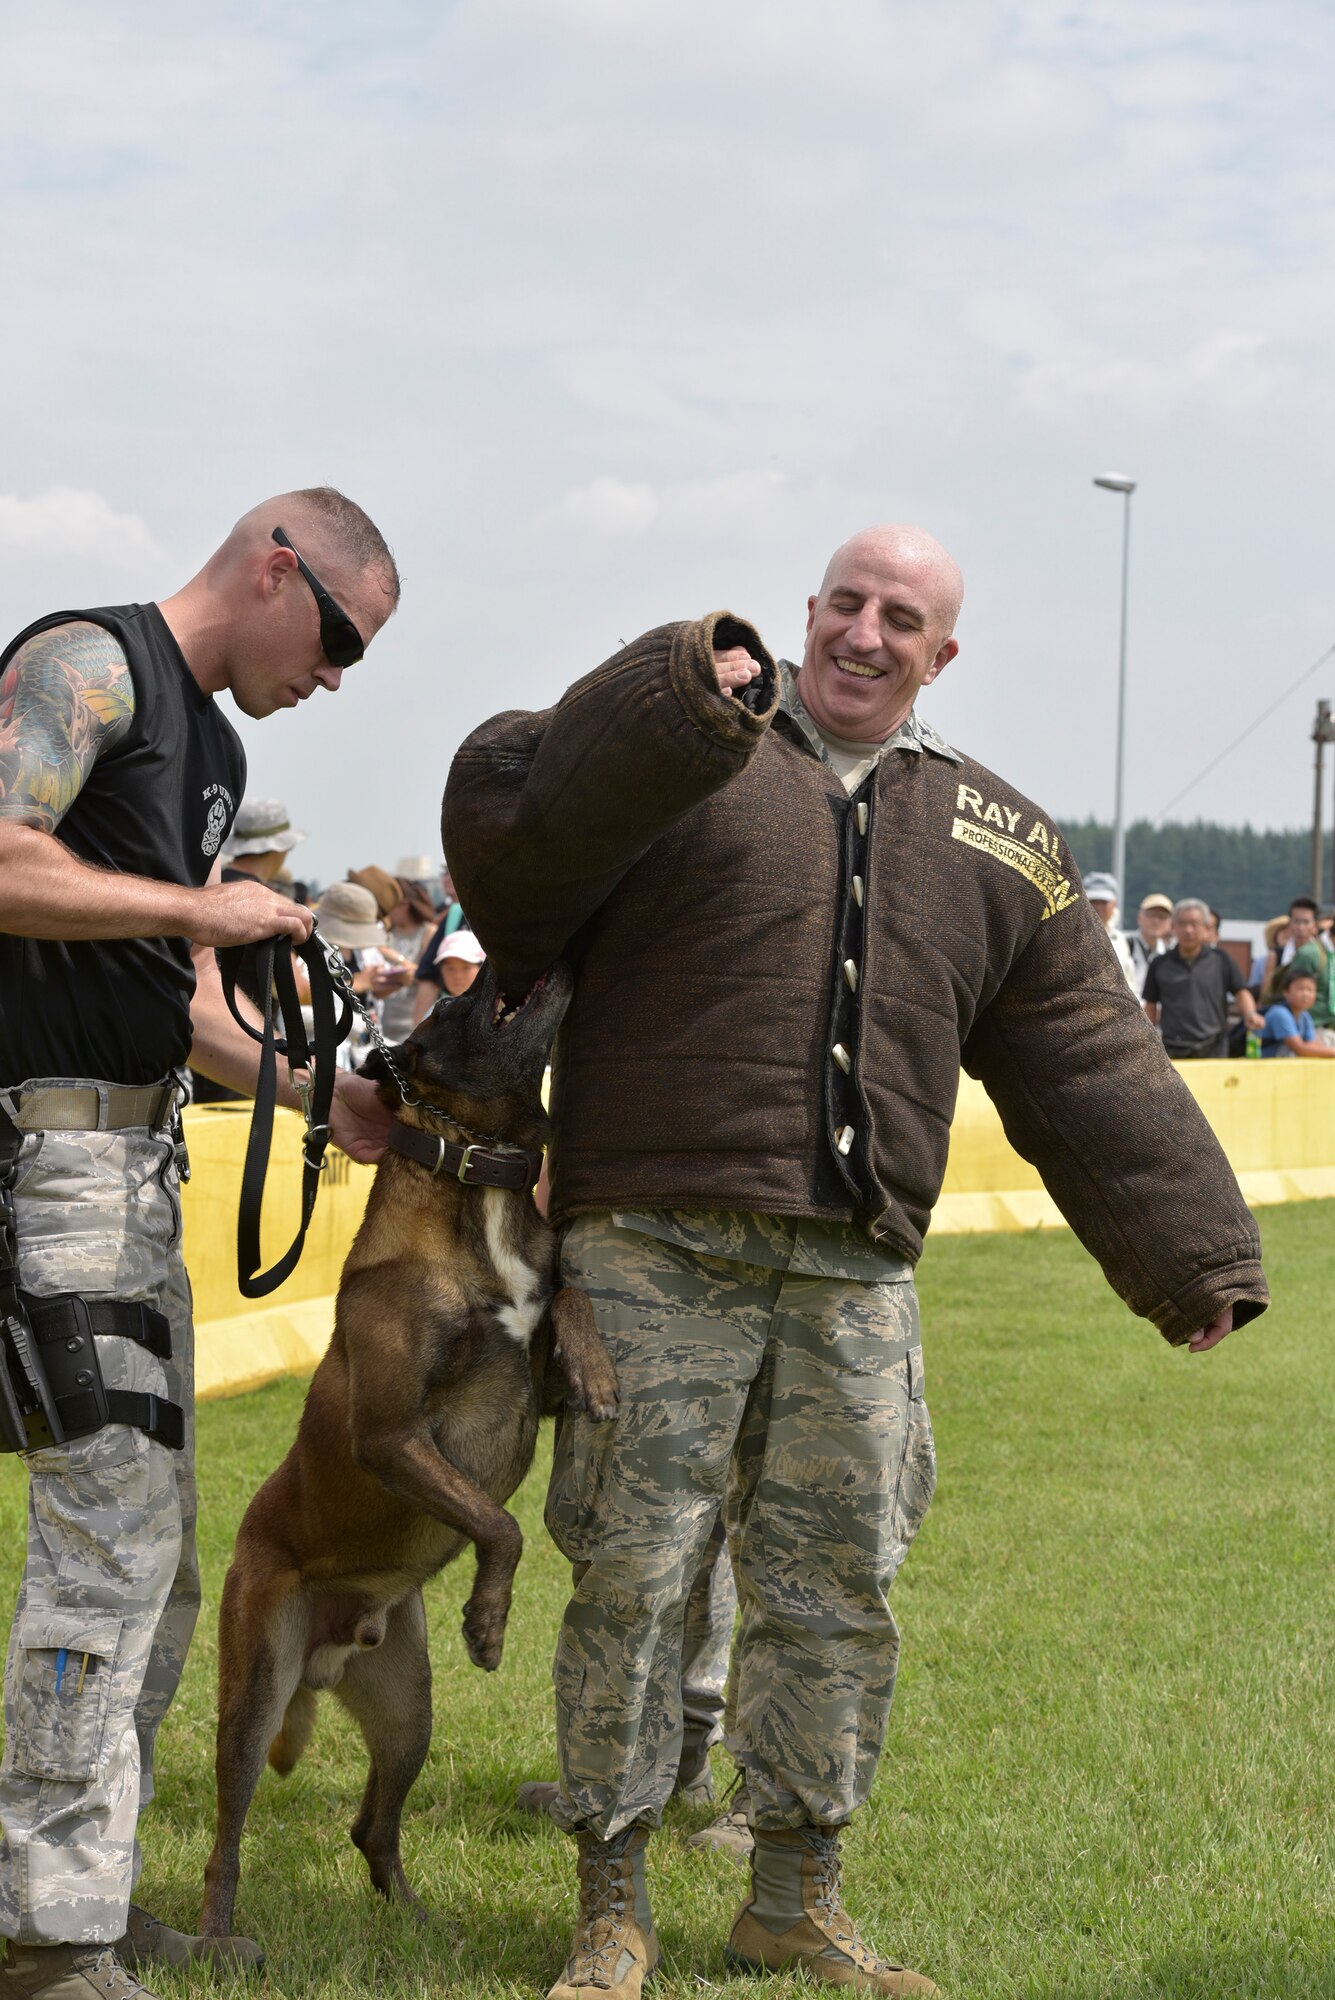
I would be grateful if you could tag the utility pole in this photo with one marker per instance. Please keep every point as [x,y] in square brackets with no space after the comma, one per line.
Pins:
[1323,732]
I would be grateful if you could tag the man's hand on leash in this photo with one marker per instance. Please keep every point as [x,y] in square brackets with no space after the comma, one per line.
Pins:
[735,669]
[245,912]
[358,1122]
[1211,1335]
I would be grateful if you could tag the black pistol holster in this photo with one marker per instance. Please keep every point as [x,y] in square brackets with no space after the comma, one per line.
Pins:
[51,1387]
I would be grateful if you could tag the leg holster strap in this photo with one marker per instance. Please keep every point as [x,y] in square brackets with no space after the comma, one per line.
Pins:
[56,1378]
[63,1315]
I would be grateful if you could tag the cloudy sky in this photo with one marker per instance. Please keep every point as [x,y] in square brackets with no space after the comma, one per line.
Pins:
[615,311]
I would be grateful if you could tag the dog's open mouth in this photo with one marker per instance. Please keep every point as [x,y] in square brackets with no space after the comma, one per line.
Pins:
[505,1011]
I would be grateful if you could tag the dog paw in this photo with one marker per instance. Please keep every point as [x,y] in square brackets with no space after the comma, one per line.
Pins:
[592,1384]
[484,1636]
[598,1397]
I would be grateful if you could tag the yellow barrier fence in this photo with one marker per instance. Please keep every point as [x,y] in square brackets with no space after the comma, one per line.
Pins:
[1275,1120]
[239,1342]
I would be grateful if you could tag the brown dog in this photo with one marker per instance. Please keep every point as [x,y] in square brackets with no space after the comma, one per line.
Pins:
[420,1423]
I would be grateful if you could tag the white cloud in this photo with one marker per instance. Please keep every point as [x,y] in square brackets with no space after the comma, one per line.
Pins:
[78,524]
[611,313]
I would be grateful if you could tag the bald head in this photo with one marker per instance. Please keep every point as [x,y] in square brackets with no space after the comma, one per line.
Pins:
[880,627]
[903,548]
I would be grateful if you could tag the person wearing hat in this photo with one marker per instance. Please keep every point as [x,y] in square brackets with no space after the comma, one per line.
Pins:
[1149,940]
[431,967]
[262,838]
[1103,895]
[409,916]
[459,959]
[119,781]
[348,916]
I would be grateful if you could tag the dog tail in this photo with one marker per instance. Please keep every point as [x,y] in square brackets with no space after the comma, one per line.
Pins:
[295,1733]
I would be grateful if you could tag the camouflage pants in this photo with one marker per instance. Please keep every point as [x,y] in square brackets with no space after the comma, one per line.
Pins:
[111,1579]
[706,1639]
[796,1404]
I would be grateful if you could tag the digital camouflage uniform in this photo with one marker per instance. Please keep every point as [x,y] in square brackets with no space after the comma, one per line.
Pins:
[706,1640]
[782,1381]
[111,1576]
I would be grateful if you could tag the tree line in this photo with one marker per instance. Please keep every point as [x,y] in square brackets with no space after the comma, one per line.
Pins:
[1238,870]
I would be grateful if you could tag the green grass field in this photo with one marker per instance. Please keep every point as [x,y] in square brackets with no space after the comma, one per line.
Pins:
[1111,1763]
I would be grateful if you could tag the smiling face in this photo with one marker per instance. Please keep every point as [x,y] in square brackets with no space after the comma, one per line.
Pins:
[878,630]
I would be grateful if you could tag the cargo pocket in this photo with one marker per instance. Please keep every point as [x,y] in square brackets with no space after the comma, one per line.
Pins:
[59,1715]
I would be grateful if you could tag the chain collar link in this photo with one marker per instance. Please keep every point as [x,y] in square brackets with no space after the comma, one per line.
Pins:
[342,978]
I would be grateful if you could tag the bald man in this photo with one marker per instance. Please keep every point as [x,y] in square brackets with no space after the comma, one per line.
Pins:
[792,910]
[119,781]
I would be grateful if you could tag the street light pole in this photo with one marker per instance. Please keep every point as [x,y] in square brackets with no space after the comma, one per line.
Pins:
[1113,482]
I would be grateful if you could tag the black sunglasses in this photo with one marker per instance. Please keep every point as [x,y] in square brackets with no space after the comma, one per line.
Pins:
[340,641]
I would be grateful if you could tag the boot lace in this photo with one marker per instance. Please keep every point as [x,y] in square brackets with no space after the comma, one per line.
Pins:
[600,1931]
[828,1903]
[110,1976]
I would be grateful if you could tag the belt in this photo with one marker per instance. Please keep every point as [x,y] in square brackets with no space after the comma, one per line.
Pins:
[90,1107]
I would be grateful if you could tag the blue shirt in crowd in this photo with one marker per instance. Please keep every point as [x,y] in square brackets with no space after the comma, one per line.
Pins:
[1280,1023]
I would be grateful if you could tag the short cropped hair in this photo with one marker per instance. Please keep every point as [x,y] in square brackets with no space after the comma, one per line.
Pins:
[1191,903]
[1295,972]
[1304,903]
[356,533]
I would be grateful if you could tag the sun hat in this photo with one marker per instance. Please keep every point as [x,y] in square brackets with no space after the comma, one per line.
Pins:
[382,885]
[262,826]
[346,914]
[417,868]
[461,944]
[1273,929]
[1101,888]
[1156,900]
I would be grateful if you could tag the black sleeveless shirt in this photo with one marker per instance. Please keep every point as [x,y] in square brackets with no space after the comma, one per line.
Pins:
[160,802]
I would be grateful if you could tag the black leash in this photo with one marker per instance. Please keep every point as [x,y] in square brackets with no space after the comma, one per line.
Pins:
[311,1072]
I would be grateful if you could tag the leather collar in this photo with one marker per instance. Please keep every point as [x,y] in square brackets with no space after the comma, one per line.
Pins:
[475,1166]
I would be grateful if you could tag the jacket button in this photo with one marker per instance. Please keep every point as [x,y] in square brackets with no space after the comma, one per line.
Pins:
[857,890]
[851,975]
[864,815]
[843,1138]
[842,1057]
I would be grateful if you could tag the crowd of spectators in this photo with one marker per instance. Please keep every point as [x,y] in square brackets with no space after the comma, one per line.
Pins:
[1204,1001]
[400,931]
[406,941]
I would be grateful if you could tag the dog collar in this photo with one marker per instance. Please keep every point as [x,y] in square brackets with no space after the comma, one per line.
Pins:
[475,1166]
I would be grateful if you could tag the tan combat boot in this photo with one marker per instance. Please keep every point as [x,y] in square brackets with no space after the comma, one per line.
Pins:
[148,1941]
[794,1917]
[615,1947]
[730,1833]
[67,1972]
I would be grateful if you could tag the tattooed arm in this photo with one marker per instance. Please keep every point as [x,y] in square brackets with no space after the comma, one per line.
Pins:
[65,698]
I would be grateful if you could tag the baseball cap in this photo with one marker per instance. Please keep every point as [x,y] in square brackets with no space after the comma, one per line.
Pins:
[1157,901]
[1101,888]
[262,826]
[461,944]
[346,913]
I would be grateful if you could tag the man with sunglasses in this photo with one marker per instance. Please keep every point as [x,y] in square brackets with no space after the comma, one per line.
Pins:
[119,782]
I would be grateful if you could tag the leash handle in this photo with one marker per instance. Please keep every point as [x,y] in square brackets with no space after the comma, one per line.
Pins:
[332,1021]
